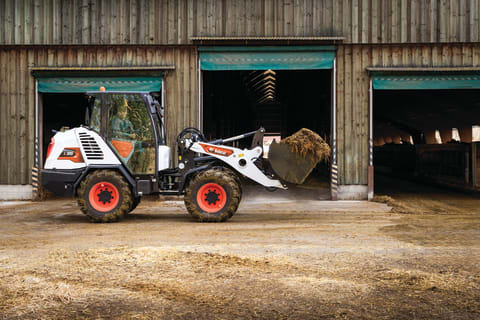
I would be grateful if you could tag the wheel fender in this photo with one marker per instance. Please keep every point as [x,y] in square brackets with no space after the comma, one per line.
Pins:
[124,172]
[190,173]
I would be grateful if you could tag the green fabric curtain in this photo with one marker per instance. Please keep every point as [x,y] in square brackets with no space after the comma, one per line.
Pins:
[84,84]
[426,82]
[263,58]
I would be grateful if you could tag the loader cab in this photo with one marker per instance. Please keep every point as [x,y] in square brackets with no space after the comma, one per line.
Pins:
[132,125]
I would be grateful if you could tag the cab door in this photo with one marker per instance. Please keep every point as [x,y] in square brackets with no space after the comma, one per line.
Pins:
[130,132]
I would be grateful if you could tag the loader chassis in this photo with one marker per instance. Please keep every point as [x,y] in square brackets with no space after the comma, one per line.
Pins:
[121,155]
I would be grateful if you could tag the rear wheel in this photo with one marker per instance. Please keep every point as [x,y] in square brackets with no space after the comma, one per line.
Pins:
[213,195]
[104,196]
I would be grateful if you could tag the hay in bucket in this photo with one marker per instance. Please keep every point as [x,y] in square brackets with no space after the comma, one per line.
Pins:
[308,144]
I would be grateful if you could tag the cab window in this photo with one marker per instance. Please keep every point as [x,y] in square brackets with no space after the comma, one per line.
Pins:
[95,116]
[130,132]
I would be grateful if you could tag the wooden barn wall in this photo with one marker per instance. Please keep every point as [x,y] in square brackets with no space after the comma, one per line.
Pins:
[17,92]
[17,87]
[352,92]
[176,21]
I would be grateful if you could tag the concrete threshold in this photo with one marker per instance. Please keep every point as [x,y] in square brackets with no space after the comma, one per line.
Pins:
[15,192]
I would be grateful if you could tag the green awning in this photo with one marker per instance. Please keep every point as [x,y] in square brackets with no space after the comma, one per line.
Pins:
[84,84]
[426,82]
[263,58]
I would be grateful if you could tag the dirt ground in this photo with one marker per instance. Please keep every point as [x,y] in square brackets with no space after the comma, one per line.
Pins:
[284,259]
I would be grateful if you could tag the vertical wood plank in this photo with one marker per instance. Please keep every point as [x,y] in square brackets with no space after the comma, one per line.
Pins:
[462,21]
[443,22]
[374,22]
[18,22]
[2,21]
[164,25]
[269,18]
[28,22]
[453,23]
[20,106]
[142,22]
[384,21]
[423,13]
[475,56]
[316,14]
[288,11]
[365,12]
[190,18]
[11,121]
[341,113]
[434,28]
[348,120]
[365,116]
[354,30]
[403,21]
[9,23]
[3,115]
[328,24]
[181,23]
[30,105]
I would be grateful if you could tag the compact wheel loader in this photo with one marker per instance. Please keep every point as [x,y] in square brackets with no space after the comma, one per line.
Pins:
[121,154]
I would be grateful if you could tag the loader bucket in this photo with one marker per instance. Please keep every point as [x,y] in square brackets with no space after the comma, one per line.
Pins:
[295,156]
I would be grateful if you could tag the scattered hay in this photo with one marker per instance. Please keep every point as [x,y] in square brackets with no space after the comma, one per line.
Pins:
[397,207]
[307,143]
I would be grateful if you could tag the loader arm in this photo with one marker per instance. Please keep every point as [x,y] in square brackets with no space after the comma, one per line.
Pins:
[240,160]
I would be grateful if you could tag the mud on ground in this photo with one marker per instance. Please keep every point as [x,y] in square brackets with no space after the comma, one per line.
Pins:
[278,261]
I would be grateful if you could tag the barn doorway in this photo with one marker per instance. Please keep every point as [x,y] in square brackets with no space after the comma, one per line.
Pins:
[63,100]
[277,90]
[425,133]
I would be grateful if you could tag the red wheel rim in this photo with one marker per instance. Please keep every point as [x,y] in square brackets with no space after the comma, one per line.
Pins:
[211,197]
[103,196]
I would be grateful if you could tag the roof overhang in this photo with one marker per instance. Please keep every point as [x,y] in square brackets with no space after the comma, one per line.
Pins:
[420,70]
[210,40]
[100,71]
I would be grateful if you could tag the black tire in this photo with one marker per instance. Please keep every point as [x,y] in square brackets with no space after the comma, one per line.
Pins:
[237,178]
[135,203]
[122,202]
[228,188]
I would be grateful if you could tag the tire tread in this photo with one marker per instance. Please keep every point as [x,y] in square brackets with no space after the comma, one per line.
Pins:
[123,188]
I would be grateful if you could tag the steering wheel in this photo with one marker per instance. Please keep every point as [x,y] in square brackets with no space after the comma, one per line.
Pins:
[192,133]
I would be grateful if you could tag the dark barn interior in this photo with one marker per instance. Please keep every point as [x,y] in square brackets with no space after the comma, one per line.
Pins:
[282,102]
[427,136]
[62,110]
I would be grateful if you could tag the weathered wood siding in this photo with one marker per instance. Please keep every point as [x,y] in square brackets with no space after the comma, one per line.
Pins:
[176,21]
[17,93]
[352,92]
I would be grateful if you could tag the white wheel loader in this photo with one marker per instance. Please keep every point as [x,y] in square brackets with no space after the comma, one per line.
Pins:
[121,155]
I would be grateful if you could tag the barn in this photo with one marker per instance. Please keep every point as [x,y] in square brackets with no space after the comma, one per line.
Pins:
[393,86]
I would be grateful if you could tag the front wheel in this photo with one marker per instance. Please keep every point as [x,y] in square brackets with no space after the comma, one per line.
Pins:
[105,196]
[135,203]
[213,195]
